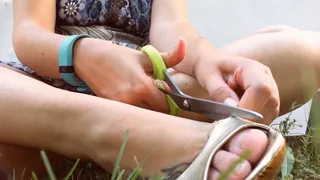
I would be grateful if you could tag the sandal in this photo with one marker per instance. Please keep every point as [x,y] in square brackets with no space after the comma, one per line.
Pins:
[268,166]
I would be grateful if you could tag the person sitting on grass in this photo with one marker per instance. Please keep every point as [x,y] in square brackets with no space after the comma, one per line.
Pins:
[39,109]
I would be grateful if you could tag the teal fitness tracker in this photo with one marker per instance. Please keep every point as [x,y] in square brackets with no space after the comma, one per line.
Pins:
[66,68]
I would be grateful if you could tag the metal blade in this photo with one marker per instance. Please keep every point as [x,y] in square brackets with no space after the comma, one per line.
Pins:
[212,109]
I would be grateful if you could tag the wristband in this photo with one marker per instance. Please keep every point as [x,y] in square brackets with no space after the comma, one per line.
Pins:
[66,68]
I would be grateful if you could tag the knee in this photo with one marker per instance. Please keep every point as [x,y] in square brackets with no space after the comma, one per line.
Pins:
[276,29]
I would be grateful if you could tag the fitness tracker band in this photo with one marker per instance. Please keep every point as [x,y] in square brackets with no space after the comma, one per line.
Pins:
[66,68]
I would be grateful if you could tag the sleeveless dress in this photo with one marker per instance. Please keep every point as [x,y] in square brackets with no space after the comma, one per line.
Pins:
[123,22]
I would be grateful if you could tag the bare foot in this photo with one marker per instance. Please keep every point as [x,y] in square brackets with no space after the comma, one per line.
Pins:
[251,140]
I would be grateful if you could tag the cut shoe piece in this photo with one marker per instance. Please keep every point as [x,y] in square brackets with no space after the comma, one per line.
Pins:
[267,167]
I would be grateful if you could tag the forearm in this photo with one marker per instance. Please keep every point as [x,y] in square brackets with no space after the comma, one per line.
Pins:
[38,48]
[165,35]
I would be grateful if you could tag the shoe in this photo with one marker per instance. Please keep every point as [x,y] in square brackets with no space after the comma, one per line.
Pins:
[266,169]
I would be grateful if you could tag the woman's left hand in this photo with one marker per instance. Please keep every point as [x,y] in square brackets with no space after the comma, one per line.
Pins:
[243,82]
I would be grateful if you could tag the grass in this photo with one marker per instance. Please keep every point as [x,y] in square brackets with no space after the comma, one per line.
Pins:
[307,157]
[305,151]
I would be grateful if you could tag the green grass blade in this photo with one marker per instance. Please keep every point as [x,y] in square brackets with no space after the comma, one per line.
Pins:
[134,176]
[157,177]
[119,171]
[72,170]
[23,172]
[121,174]
[48,166]
[133,173]
[115,170]
[13,174]
[231,169]
[34,176]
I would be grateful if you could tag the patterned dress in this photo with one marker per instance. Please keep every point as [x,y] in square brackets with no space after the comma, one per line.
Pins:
[123,22]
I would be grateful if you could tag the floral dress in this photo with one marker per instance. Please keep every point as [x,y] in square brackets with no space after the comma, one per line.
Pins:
[123,22]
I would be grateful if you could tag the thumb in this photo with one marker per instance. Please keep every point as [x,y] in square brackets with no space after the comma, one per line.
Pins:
[176,55]
[220,91]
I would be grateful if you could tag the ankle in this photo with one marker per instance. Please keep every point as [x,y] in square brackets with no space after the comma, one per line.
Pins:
[175,150]
[185,153]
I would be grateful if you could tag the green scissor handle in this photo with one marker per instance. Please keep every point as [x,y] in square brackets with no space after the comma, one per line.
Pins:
[158,73]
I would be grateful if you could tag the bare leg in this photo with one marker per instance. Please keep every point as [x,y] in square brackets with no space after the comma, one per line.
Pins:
[90,128]
[20,161]
[292,55]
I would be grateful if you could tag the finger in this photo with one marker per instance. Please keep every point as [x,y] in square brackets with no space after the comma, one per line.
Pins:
[230,64]
[257,88]
[157,100]
[154,98]
[254,98]
[144,105]
[176,55]
[162,84]
[219,90]
[170,58]
[271,111]
[272,108]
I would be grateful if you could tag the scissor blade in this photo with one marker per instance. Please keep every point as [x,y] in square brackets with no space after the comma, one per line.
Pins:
[212,109]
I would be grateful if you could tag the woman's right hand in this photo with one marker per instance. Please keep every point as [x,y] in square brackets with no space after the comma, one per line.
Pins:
[123,74]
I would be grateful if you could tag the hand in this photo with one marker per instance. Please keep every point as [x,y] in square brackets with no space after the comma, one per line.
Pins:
[123,74]
[241,81]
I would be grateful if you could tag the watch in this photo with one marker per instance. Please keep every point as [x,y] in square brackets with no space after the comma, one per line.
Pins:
[66,67]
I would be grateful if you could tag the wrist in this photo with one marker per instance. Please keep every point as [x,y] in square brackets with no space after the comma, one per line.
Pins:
[86,53]
[66,61]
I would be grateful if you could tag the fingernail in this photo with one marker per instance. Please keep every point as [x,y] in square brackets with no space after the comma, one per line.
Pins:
[230,102]
[177,43]
[161,84]
[239,168]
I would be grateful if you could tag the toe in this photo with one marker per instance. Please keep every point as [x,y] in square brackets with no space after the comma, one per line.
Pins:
[223,160]
[213,174]
[253,140]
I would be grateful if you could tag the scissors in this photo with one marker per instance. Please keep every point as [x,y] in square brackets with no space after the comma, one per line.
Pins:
[178,100]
